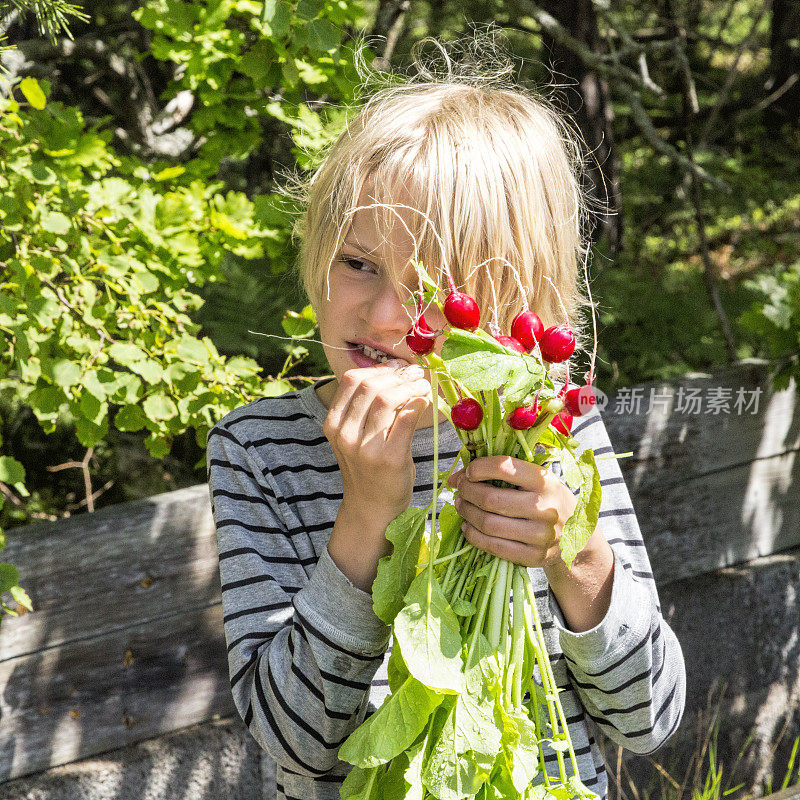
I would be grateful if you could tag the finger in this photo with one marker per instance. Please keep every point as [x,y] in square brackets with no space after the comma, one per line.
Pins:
[405,423]
[454,480]
[364,393]
[511,550]
[532,532]
[382,412]
[519,503]
[505,468]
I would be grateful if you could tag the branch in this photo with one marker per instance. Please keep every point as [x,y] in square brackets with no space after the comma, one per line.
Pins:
[659,144]
[729,78]
[600,64]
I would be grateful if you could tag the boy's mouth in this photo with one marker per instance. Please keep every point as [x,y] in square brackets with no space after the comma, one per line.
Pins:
[381,356]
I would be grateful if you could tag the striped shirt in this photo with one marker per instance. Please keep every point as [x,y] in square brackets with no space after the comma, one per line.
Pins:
[307,655]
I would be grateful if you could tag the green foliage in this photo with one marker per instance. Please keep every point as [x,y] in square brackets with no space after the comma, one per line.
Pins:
[100,257]
[775,319]
[245,61]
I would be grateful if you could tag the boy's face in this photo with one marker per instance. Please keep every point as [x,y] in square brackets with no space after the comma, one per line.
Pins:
[360,304]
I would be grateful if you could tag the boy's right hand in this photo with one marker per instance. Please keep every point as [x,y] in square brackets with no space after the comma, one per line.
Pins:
[370,426]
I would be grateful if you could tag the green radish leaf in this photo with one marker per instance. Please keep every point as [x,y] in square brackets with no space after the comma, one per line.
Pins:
[449,528]
[429,636]
[427,281]
[413,775]
[560,792]
[462,607]
[452,773]
[569,466]
[581,524]
[396,669]
[482,368]
[559,745]
[521,384]
[360,784]
[525,757]
[393,727]
[396,571]
[392,784]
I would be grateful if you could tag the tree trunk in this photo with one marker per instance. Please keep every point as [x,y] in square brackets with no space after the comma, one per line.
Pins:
[387,29]
[784,61]
[590,105]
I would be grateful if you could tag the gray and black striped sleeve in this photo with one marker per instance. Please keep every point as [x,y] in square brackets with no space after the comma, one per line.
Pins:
[629,670]
[302,651]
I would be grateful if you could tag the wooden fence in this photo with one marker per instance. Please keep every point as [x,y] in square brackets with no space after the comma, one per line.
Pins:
[125,642]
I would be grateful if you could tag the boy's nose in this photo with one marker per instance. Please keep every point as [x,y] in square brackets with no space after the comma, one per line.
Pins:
[386,312]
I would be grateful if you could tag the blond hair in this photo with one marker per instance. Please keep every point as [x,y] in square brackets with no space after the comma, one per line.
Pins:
[495,172]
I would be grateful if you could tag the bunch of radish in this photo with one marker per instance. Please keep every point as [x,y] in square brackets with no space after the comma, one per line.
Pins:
[473,706]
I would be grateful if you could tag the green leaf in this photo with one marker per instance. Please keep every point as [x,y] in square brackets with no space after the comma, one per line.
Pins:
[323,35]
[160,407]
[41,173]
[429,636]
[149,369]
[302,325]
[11,471]
[33,92]
[66,373]
[481,363]
[90,433]
[413,775]
[125,353]
[360,784]
[309,8]
[396,571]
[525,756]
[449,528]
[55,222]
[130,418]
[451,773]
[194,350]
[91,408]
[393,727]
[583,521]
[9,576]
[276,388]
[462,607]
[277,13]
[396,669]
[21,596]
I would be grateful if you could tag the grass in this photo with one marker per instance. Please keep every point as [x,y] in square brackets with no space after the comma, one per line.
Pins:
[705,777]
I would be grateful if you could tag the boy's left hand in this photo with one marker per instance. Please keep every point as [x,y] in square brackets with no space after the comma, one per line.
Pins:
[523,524]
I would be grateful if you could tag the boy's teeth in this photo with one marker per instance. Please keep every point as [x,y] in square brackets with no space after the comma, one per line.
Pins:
[371,352]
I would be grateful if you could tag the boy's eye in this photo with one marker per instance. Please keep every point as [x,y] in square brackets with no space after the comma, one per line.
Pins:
[357,264]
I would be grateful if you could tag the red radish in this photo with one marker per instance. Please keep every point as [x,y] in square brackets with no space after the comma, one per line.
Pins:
[562,422]
[466,414]
[557,343]
[527,328]
[511,343]
[421,338]
[523,417]
[579,401]
[462,311]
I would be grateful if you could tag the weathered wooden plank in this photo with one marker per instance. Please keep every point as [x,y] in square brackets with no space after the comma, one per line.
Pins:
[103,692]
[122,565]
[711,490]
